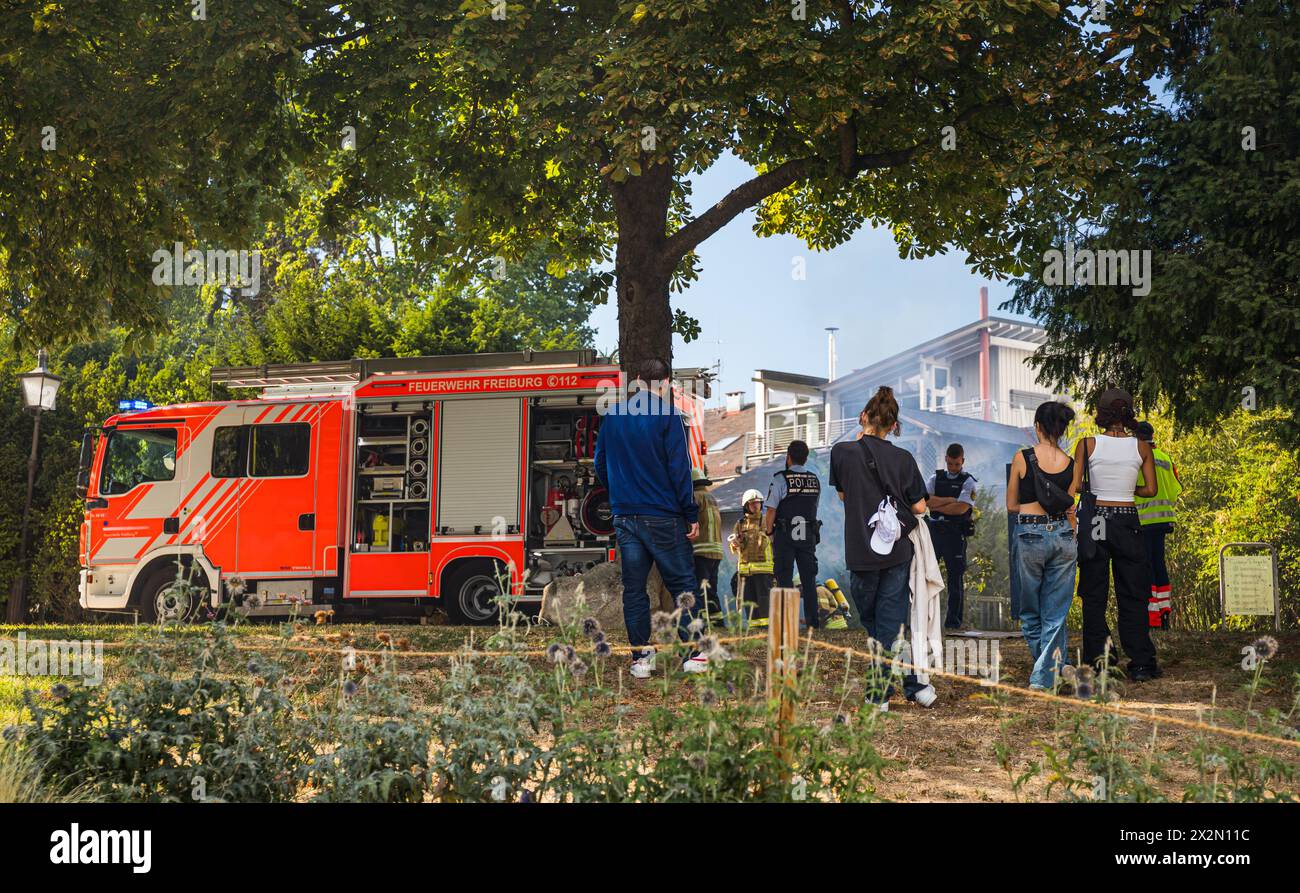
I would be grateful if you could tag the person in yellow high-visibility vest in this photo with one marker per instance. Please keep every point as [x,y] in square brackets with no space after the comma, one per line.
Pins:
[1157,516]
[754,568]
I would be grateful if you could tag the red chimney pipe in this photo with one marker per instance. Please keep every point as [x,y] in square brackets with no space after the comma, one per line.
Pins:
[985,353]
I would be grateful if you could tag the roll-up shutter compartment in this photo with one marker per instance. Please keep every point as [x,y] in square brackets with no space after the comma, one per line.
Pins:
[478,467]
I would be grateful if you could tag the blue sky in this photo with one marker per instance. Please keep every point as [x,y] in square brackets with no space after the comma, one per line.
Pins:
[754,315]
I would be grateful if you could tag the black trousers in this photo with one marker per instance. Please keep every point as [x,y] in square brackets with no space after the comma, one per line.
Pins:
[706,571]
[786,554]
[753,595]
[1121,551]
[950,548]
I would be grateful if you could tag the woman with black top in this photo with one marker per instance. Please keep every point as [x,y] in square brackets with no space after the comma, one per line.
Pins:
[876,478]
[1112,462]
[1040,498]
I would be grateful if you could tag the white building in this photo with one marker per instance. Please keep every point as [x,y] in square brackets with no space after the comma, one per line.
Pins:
[973,386]
[979,375]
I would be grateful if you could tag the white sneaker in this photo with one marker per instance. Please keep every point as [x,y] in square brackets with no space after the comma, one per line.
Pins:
[643,667]
[925,697]
[697,664]
[882,707]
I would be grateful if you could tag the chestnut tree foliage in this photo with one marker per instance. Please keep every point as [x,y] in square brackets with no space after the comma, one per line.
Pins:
[574,126]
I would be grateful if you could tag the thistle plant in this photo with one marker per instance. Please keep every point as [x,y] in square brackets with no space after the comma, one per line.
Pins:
[1098,758]
[1255,658]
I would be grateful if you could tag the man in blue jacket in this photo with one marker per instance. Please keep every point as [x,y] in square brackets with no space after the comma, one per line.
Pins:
[642,457]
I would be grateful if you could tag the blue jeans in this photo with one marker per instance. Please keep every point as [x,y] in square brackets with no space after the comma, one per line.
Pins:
[884,601]
[1045,562]
[647,539]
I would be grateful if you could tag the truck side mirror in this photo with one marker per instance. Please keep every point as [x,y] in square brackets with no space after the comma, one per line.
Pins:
[83,466]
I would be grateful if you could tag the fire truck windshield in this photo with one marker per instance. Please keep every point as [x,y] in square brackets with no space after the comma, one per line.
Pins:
[135,457]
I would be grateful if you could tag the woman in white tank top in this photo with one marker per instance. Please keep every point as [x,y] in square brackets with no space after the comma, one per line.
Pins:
[1116,460]
[1112,461]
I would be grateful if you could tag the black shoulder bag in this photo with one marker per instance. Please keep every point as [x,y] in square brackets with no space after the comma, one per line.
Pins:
[907,521]
[1087,510]
[1051,497]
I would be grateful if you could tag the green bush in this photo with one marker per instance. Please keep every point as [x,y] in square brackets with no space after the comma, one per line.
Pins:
[372,749]
[222,728]
[1239,485]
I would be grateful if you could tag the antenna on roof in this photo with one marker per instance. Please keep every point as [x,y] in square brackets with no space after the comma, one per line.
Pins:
[830,351]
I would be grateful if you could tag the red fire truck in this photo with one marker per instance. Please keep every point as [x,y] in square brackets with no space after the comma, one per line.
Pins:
[375,487]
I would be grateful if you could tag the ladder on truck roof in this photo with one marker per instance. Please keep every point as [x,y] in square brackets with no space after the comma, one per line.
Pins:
[337,376]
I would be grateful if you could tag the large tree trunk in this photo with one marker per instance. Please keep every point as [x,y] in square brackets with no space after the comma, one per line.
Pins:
[643,269]
[645,320]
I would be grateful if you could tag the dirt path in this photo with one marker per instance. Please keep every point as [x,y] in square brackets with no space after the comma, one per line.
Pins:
[948,753]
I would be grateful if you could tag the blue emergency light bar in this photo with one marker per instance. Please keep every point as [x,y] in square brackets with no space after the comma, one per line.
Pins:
[133,405]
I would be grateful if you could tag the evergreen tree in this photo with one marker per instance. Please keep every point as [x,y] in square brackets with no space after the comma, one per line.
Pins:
[1213,193]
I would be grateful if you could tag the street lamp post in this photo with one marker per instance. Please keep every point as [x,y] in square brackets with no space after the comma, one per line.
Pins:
[39,389]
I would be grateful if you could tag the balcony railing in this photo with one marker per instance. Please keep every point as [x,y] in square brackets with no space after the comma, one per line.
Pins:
[815,434]
[1002,413]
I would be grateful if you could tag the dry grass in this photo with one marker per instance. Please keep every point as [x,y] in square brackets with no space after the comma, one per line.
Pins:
[20,781]
[943,754]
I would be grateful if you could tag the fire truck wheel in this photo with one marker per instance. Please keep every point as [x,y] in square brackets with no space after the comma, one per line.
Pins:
[168,597]
[471,592]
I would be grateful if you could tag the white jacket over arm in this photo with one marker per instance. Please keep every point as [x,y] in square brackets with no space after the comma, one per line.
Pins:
[927,606]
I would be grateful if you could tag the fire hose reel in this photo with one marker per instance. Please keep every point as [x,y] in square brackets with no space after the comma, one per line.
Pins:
[597,514]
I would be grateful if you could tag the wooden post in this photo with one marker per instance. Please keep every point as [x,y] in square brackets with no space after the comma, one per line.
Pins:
[783,646]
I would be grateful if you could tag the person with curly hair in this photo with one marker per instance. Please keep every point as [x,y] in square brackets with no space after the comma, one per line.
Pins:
[1112,462]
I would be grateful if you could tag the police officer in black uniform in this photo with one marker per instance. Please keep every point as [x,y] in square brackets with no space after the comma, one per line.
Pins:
[791,520]
[952,506]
